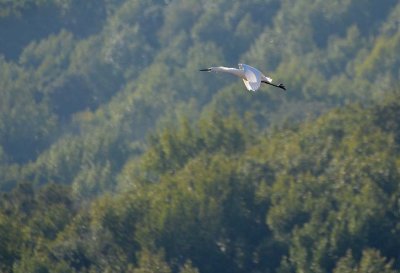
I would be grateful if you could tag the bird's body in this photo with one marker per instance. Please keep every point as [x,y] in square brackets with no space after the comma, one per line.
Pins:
[251,76]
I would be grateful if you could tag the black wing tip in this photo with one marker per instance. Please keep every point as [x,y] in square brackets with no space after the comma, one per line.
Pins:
[205,69]
[282,86]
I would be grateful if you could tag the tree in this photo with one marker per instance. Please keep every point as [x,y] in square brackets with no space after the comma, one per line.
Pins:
[371,261]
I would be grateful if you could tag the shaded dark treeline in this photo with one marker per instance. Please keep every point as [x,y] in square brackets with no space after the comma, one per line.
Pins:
[116,155]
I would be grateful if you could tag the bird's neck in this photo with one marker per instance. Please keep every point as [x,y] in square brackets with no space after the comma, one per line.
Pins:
[234,71]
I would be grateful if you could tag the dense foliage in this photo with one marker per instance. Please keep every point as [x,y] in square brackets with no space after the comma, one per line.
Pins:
[117,155]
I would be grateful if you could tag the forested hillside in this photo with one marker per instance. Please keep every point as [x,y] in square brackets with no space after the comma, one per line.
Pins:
[118,155]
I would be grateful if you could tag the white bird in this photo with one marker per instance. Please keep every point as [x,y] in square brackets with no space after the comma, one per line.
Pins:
[251,76]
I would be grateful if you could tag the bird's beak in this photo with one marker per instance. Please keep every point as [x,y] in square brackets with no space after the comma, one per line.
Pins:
[206,69]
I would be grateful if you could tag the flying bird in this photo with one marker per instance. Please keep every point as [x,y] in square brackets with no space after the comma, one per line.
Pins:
[251,76]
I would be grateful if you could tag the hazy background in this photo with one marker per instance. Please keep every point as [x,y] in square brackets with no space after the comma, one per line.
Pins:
[118,155]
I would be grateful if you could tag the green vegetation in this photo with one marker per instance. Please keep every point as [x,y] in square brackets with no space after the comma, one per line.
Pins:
[117,155]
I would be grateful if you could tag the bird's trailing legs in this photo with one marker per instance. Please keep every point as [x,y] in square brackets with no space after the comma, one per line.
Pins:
[279,85]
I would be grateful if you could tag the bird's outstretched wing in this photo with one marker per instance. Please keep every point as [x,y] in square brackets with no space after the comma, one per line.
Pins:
[252,79]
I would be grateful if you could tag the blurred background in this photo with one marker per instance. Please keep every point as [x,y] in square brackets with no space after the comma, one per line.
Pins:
[118,155]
